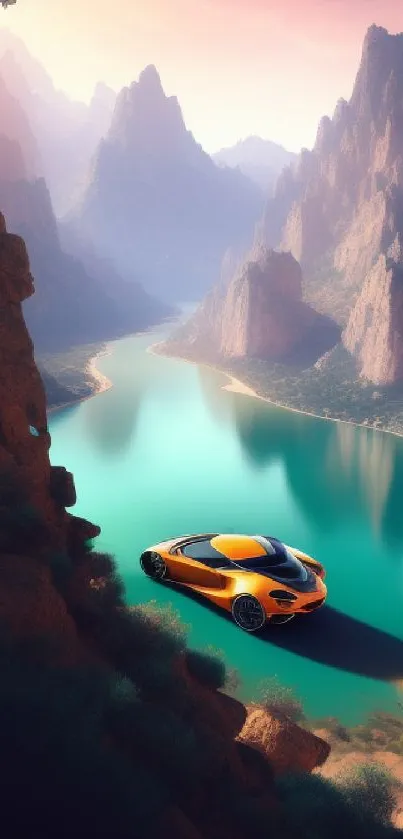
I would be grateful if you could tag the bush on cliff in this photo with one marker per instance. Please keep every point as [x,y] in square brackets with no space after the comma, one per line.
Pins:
[207,667]
[279,699]
[320,809]
[60,775]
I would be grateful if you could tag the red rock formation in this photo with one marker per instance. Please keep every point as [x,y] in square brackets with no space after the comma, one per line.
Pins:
[287,746]
[24,436]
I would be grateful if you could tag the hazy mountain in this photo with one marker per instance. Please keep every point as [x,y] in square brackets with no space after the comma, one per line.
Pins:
[15,127]
[73,304]
[339,210]
[157,204]
[261,160]
[67,133]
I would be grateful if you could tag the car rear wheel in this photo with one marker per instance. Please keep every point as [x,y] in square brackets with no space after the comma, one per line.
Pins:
[277,619]
[153,565]
[248,613]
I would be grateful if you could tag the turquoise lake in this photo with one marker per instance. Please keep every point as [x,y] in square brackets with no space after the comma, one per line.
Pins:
[167,451]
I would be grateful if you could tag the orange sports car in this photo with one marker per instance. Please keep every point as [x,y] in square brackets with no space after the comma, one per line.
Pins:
[257,579]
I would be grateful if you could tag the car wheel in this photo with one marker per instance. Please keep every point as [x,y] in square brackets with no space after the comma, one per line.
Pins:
[248,613]
[277,619]
[153,565]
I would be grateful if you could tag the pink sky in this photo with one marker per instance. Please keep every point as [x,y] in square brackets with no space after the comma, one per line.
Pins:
[238,67]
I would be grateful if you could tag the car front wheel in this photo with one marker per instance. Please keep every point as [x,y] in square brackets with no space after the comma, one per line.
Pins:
[153,565]
[248,613]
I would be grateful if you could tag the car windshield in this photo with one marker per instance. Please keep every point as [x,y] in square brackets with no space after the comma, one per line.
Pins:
[278,559]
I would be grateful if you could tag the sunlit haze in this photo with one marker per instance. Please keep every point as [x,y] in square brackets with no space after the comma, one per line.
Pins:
[238,67]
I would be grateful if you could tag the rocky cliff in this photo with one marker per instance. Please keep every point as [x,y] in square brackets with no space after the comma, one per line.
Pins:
[109,725]
[339,208]
[154,191]
[259,314]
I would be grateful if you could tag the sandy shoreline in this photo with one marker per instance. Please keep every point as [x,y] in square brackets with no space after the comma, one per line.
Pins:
[236,386]
[99,380]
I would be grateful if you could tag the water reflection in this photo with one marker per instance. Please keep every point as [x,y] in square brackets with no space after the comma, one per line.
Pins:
[335,471]
[211,383]
[112,429]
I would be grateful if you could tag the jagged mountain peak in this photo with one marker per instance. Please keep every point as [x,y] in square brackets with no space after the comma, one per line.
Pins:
[150,78]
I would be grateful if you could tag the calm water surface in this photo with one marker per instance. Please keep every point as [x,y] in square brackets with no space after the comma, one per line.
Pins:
[167,451]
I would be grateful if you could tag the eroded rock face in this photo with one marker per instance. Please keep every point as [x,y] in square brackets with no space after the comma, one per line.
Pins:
[24,435]
[340,207]
[374,331]
[260,314]
[287,746]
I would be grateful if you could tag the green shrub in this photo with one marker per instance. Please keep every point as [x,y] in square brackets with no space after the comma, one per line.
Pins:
[162,621]
[58,775]
[96,587]
[369,790]
[319,809]
[207,667]
[333,726]
[278,699]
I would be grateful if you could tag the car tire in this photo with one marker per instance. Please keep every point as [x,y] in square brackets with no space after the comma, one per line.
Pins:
[153,565]
[276,620]
[248,613]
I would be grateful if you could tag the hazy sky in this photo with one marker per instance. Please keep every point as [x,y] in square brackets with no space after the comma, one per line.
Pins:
[238,67]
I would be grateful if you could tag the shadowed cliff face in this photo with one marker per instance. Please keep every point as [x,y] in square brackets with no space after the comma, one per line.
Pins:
[259,314]
[339,210]
[24,436]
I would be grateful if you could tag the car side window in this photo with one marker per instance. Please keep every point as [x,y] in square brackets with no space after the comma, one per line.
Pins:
[202,551]
[216,562]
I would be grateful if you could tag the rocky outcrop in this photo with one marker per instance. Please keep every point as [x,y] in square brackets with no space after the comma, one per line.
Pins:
[259,314]
[156,202]
[340,207]
[287,746]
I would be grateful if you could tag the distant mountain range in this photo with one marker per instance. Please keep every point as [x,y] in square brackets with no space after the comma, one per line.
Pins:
[338,209]
[79,298]
[157,203]
[66,133]
[261,160]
